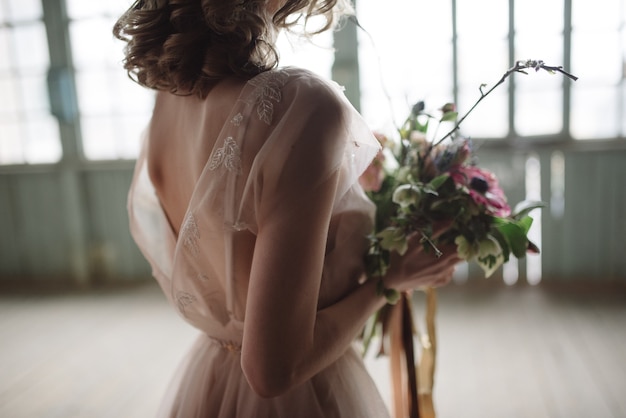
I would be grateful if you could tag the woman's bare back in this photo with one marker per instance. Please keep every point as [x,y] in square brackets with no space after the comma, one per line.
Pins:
[182,134]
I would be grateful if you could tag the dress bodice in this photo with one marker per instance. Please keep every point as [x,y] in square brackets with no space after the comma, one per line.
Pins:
[204,269]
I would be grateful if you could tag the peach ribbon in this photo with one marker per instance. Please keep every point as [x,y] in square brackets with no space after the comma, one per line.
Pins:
[412,381]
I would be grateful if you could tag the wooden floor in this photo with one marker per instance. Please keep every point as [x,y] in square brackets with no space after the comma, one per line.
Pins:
[503,352]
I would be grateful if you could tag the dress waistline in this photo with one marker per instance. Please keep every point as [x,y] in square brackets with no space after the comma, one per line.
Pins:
[232,346]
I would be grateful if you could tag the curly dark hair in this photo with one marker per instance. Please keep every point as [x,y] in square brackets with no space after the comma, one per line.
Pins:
[185,46]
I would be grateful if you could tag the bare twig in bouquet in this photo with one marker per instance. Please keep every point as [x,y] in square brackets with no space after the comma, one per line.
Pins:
[519,67]
[426,238]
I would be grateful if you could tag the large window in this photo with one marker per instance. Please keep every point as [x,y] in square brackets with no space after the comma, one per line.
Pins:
[444,51]
[28,133]
[438,51]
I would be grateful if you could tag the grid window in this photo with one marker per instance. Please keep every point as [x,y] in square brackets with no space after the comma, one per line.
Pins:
[417,52]
[29,134]
[113,109]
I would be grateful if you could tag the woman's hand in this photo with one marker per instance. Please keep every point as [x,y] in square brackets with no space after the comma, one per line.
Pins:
[420,266]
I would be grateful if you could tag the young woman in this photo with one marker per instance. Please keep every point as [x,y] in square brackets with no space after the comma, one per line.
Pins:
[246,203]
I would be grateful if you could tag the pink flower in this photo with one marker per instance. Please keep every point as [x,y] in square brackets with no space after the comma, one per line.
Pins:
[372,178]
[382,138]
[448,107]
[483,188]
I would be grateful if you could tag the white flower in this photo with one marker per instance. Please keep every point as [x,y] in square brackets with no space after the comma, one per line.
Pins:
[402,174]
[406,195]
[464,249]
[393,239]
[490,255]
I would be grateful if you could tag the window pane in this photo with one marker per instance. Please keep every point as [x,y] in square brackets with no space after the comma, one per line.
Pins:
[408,58]
[548,48]
[94,92]
[30,47]
[20,10]
[483,63]
[34,93]
[588,16]
[93,44]
[10,145]
[316,54]
[98,137]
[538,94]
[5,60]
[112,137]
[482,19]
[29,133]
[596,58]
[80,9]
[129,97]
[9,104]
[42,142]
[490,118]
[131,127]
[482,45]
[539,17]
[113,109]
[538,111]
[596,112]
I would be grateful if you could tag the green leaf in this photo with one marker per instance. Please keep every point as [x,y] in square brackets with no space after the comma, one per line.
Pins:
[370,331]
[525,223]
[515,235]
[504,244]
[438,181]
[449,116]
[392,296]
[523,208]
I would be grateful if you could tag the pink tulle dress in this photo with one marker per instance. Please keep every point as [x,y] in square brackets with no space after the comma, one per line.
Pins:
[204,272]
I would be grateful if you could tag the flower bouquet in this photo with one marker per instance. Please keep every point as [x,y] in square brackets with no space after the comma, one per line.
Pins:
[417,182]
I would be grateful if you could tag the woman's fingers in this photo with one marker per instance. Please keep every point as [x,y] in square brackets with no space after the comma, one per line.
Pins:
[426,269]
[422,265]
[439,227]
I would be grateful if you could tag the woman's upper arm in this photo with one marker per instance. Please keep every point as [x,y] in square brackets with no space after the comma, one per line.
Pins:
[293,216]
